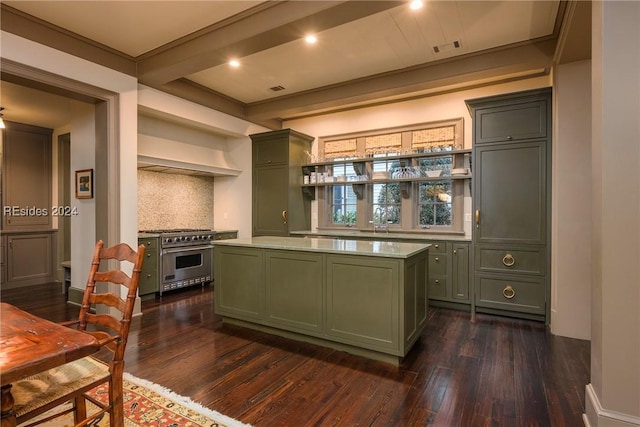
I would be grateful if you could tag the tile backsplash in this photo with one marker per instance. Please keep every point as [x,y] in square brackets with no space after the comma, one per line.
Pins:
[167,201]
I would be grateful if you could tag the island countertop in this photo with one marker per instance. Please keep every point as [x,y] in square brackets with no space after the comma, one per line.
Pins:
[336,246]
[382,235]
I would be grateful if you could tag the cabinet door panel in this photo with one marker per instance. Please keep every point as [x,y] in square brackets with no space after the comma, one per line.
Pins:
[510,193]
[460,273]
[27,177]
[526,293]
[438,265]
[510,259]
[148,282]
[294,290]
[271,152]
[362,301]
[240,284]
[437,287]
[29,258]
[270,201]
[511,122]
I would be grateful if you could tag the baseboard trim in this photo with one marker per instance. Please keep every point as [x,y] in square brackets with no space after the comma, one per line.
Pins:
[597,416]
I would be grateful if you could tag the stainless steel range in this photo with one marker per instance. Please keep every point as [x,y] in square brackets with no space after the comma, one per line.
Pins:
[186,257]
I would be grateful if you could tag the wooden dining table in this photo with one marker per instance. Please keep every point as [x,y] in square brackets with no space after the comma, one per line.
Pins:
[30,344]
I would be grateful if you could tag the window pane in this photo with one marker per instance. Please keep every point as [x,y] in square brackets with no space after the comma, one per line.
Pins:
[434,204]
[386,206]
[344,170]
[343,206]
[436,163]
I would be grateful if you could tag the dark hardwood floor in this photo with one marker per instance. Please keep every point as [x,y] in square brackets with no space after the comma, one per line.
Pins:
[493,372]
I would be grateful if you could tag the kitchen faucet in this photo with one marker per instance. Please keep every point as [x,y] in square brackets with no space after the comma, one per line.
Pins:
[380,225]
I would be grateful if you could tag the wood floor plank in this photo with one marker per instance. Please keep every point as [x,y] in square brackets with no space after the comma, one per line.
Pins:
[495,371]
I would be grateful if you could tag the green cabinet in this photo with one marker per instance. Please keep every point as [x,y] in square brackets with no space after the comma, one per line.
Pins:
[511,202]
[510,119]
[374,306]
[149,276]
[449,273]
[279,205]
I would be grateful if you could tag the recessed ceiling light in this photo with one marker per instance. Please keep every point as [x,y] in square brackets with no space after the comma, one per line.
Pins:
[234,63]
[311,39]
[415,4]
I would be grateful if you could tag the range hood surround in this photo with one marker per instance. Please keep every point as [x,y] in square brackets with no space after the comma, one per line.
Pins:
[170,147]
[157,164]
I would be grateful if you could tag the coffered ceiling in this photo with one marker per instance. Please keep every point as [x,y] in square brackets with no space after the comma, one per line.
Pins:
[366,51]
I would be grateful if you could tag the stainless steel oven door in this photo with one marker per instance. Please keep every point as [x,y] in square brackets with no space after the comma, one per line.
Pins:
[186,266]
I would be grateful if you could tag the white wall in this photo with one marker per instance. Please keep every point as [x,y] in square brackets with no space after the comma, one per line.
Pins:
[232,195]
[571,202]
[613,396]
[83,154]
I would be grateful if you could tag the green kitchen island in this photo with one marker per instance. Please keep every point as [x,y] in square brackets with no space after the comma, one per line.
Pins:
[363,297]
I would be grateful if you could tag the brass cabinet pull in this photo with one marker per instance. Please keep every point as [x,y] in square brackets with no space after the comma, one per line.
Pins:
[148,255]
[436,259]
[284,217]
[509,137]
[508,292]
[437,281]
[508,260]
[148,275]
[436,246]
[455,252]
[477,218]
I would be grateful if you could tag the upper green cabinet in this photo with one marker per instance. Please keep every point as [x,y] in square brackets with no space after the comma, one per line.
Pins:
[511,203]
[279,205]
[510,120]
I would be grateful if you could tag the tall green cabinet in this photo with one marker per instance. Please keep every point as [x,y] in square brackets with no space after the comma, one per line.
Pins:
[279,205]
[511,203]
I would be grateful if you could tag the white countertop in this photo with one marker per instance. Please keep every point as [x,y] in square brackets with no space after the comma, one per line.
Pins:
[383,235]
[335,246]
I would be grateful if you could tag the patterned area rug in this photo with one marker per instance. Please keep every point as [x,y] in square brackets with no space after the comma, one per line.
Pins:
[148,404]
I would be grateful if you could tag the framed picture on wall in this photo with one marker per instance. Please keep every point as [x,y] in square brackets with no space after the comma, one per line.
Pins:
[84,184]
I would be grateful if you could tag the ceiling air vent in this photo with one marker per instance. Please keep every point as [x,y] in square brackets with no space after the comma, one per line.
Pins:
[277,88]
[447,46]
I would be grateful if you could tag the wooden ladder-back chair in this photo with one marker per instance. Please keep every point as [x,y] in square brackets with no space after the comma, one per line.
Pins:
[47,390]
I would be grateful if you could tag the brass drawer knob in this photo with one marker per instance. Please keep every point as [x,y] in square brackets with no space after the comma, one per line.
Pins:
[436,259]
[508,260]
[508,292]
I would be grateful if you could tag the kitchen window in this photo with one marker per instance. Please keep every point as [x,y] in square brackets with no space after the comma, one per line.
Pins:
[402,179]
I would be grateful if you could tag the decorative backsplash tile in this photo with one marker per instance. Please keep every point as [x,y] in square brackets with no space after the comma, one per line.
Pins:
[174,201]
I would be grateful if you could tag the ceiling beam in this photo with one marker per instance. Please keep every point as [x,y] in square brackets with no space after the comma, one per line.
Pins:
[31,28]
[520,59]
[269,25]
